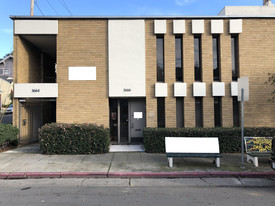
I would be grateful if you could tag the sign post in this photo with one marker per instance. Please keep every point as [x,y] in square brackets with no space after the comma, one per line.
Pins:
[243,95]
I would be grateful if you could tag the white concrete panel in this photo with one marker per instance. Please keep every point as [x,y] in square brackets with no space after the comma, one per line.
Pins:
[197,26]
[126,58]
[234,89]
[82,73]
[180,89]
[235,26]
[199,89]
[218,89]
[161,90]
[179,26]
[36,90]
[36,27]
[216,26]
[160,26]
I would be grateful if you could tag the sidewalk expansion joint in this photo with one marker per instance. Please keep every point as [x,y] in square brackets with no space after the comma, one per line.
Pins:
[110,165]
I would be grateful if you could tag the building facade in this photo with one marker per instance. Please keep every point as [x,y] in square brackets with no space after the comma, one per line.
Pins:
[127,73]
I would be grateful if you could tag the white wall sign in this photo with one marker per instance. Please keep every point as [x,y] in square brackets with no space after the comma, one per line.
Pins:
[36,90]
[82,73]
[138,115]
[243,83]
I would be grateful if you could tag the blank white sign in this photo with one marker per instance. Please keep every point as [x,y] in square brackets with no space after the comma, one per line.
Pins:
[138,115]
[243,83]
[82,73]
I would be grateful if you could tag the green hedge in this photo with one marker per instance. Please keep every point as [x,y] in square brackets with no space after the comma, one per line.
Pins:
[74,139]
[8,135]
[229,138]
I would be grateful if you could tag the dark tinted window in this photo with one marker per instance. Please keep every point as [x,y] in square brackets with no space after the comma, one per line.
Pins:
[234,57]
[160,58]
[197,58]
[216,58]
[199,112]
[218,111]
[178,61]
[161,111]
[236,112]
[180,111]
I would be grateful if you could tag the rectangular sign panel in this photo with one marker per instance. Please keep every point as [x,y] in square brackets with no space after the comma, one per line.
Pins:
[82,73]
[36,90]
[243,83]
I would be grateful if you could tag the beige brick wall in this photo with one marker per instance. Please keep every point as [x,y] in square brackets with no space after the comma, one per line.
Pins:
[257,59]
[256,53]
[188,72]
[82,43]
[207,75]
[226,76]
[26,70]
[85,43]
[151,74]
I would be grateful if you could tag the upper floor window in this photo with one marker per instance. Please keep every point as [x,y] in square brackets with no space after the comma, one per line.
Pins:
[216,58]
[197,58]
[178,60]
[6,71]
[1,71]
[160,58]
[235,57]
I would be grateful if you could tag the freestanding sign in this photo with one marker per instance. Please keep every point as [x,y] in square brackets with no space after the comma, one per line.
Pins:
[243,95]
[243,83]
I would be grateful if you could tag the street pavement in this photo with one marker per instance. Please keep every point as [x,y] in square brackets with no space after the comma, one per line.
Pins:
[29,162]
[138,191]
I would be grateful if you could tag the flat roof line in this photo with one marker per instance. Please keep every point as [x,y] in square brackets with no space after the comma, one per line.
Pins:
[141,17]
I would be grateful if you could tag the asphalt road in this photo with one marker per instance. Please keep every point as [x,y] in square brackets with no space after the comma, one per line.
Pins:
[7,119]
[133,192]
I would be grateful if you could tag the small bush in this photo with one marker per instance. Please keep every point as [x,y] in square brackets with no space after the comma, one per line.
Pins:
[74,139]
[8,135]
[229,138]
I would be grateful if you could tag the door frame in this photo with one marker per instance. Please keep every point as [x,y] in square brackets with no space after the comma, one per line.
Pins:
[129,118]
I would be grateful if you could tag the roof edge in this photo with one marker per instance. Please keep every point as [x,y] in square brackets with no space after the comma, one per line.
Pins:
[138,17]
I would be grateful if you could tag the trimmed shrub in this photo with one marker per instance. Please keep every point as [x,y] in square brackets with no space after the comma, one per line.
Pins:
[74,139]
[229,138]
[8,135]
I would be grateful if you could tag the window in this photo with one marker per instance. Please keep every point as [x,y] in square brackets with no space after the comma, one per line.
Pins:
[216,58]
[161,111]
[218,111]
[178,61]
[236,112]
[6,71]
[234,57]
[160,58]
[197,58]
[1,71]
[199,111]
[180,111]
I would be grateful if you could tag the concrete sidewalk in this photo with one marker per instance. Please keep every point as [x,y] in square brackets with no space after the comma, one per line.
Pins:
[28,162]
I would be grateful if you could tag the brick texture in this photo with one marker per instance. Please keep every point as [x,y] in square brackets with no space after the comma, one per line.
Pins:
[82,43]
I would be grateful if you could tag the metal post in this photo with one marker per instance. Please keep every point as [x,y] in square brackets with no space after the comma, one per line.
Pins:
[32,4]
[242,98]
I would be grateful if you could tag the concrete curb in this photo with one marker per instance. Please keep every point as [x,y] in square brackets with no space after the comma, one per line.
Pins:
[33,175]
